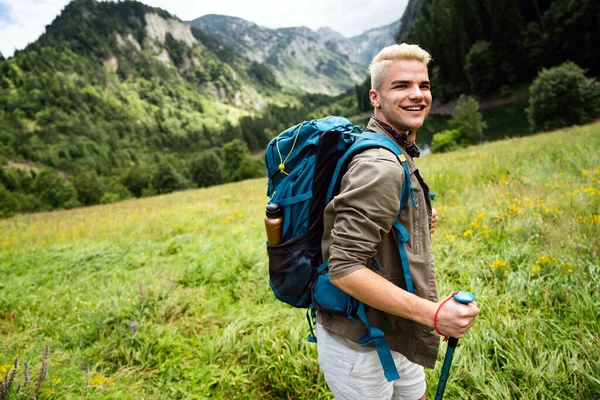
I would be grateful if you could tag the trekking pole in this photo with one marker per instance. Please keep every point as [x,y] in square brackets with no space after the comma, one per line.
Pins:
[464,298]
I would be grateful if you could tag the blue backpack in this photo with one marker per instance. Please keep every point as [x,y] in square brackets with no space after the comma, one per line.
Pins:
[305,164]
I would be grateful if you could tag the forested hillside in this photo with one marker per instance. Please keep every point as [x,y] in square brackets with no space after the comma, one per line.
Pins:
[481,46]
[121,99]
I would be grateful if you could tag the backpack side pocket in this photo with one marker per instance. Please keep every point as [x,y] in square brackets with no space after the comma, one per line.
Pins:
[291,272]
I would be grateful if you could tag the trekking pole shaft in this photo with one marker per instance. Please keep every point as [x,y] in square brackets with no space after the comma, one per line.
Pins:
[439,394]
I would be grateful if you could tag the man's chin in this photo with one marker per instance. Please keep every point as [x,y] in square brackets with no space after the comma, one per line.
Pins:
[414,125]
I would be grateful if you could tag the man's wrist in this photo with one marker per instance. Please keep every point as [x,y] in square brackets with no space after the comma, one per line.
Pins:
[424,312]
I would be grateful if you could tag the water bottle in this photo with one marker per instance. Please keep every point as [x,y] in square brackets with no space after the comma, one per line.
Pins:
[274,224]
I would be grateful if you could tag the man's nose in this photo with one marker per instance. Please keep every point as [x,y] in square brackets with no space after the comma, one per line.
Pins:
[416,94]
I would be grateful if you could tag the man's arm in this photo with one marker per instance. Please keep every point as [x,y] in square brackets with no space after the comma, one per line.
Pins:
[454,319]
[366,209]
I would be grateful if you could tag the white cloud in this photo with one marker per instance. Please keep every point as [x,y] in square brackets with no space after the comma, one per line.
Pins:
[28,18]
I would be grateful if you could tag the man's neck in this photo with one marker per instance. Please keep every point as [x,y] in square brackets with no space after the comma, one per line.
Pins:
[412,137]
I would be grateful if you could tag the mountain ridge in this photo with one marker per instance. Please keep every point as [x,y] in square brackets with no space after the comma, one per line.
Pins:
[322,60]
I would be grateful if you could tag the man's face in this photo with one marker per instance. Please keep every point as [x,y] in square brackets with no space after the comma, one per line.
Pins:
[404,98]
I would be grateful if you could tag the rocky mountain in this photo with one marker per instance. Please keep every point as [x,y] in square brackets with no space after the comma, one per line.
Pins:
[363,47]
[299,57]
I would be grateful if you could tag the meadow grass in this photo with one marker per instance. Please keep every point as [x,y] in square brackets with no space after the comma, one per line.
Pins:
[167,297]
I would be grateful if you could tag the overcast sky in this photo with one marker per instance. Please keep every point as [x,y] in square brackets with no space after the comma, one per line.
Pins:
[23,21]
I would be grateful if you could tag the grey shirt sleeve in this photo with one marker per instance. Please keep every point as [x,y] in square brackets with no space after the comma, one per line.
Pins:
[365,209]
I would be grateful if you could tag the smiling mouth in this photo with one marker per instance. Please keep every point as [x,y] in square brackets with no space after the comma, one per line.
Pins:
[413,108]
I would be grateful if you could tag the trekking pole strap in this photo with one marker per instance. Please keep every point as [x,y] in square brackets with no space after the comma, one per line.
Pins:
[377,337]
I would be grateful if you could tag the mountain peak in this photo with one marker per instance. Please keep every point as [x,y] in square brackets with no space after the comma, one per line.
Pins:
[328,34]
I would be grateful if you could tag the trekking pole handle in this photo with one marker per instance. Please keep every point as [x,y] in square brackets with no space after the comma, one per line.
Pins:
[462,297]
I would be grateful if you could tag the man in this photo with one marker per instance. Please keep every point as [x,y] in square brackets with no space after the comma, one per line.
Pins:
[358,225]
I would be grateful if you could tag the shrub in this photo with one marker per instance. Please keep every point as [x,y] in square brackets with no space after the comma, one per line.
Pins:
[138,180]
[89,188]
[234,153]
[53,191]
[445,140]
[205,169]
[252,168]
[562,96]
[166,179]
[109,198]
[112,185]
[9,204]
[28,202]
[468,121]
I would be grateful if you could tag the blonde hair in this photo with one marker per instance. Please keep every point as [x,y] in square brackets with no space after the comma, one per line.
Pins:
[393,53]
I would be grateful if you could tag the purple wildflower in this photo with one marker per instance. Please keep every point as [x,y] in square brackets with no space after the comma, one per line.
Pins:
[134,327]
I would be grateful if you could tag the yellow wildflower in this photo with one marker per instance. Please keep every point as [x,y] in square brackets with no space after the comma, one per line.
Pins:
[544,260]
[498,264]
[5,368]
[100,380]
[468,233]
[514,209]
[450,238]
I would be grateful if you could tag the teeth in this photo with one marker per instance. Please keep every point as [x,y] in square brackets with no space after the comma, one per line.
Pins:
[413,108]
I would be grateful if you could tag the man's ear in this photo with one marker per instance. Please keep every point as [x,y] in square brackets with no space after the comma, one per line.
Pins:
[374,97]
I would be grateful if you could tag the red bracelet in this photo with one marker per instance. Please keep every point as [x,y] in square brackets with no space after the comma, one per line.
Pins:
[436,314]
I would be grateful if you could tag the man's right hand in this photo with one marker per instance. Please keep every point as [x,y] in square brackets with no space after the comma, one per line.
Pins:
[454,319]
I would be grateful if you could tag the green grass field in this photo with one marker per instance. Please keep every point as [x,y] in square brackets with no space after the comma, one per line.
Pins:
[167,297]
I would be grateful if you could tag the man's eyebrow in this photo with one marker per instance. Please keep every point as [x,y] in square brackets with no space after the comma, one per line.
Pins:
[405,82]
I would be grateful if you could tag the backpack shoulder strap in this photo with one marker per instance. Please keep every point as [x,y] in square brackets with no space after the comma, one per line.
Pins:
[363,142]
[370,141]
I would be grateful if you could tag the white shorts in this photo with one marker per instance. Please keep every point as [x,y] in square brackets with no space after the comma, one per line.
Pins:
[354,372]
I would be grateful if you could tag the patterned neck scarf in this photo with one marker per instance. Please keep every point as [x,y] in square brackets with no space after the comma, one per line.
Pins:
[402,138]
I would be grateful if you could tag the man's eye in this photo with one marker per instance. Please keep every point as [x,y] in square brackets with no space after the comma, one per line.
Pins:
[426,87]
[400,87]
